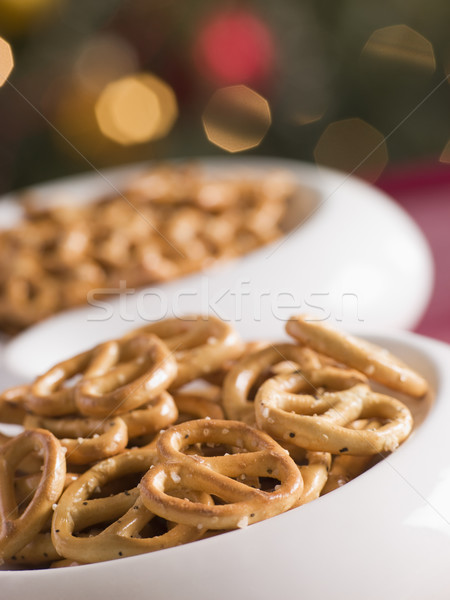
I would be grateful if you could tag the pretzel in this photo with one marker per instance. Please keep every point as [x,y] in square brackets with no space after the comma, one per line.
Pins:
[249,371]
[56,255]
[11,408]
[152,417]
[315,475]
[201,344]
[141,367]
[344,468]
[39,551]
[78,511]
[198,405]
[377,363]
[320,422]
[17,530]
[261,457]
[26,485]
[49,395]
[85,440]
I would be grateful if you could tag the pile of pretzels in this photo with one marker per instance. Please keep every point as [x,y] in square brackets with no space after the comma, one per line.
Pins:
[179,431]
[167,222]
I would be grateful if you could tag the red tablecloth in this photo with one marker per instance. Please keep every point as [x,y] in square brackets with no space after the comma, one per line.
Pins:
[424,192]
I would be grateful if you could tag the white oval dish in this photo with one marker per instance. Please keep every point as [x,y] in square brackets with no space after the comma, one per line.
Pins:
[358,259]
[384,535]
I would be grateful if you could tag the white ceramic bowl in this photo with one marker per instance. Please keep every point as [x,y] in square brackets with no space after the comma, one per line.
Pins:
[384,535]
[359,259]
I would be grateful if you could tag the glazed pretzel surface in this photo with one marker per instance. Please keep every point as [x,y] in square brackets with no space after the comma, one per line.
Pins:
[78,511]
[249,371]
[17,530]
[259,456]
[320,422]
[201,344]
[141,367]
[85,440]
[52,394]
[377,363]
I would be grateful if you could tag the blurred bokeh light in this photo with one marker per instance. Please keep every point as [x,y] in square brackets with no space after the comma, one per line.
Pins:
[6,61]
[445,154]
[236,118]
[354,146]
[136,109]
[234,46]
[103,59]
[401,45]
[77,90]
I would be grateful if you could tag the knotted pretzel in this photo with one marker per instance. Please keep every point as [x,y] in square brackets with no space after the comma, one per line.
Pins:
[250,371]
[78,511]
[315,476]
[152,417]
[201,344]
[141,367]
[85,440]
[344,467]
[197,405]
[257,455]
[17,530]
[377,363]
[53,393]
[320,422]
[38,552]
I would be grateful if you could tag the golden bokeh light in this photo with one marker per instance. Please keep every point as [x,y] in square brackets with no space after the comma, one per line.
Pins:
[104,58]
[353,146]
[236,118]
[136,109]
[400,45]
[307,117]
[445,154]
[6,61]
[18,16]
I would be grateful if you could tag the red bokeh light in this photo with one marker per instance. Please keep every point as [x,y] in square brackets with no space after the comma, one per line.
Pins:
[235,47]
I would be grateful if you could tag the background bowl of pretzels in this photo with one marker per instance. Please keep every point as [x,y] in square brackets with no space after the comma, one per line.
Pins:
[182,457]
[250,240]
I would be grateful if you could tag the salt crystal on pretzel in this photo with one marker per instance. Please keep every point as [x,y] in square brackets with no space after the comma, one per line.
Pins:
[260,456]
[320,422]
[200,344]
[377,363]
[77,510]
[141,367]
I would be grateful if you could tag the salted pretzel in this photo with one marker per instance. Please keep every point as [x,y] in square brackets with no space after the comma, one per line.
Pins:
[85,440]
[78,511]
[320,422]
[17,530]
[40,551]
[257,455]
[139,368]
[152,417]
[251,369]
[344,468]
[377,363]
[201,344]
[51,393]
[26,485]
[315,476]
[197,404]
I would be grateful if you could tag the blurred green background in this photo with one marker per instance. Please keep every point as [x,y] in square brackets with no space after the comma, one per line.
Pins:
[357,85]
